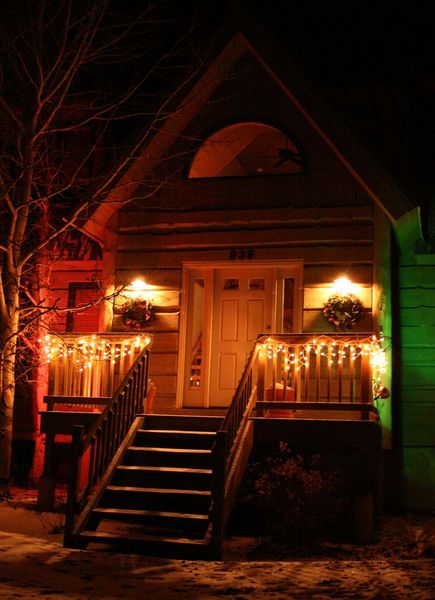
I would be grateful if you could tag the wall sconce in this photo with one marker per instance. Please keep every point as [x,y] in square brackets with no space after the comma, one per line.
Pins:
[343,286]
[139,288]
[138,285]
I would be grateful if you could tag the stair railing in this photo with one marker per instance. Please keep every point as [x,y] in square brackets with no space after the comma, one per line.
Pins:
[231,451]
[93,452]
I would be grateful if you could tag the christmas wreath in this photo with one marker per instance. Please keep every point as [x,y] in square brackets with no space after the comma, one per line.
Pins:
[137,313]
[343,311]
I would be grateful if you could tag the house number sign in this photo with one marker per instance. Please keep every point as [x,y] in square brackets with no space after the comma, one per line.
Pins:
[241,253]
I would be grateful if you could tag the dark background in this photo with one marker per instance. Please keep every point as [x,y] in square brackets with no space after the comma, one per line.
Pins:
[373,63]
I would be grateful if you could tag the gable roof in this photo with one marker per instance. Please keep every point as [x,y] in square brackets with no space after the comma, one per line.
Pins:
[235,39]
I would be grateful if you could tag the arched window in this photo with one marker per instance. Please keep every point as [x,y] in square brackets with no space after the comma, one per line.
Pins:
[247,149]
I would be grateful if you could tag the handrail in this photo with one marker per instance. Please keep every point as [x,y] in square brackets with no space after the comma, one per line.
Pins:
[236,414]
[231,452]
[101,442]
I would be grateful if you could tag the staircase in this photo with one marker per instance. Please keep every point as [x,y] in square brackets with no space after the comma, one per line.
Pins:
[158,496]
[157,484]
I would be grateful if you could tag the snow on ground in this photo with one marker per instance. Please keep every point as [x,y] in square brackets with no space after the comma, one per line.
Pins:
[33,564]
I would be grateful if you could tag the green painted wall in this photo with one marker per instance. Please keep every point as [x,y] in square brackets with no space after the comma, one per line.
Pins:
[416,377]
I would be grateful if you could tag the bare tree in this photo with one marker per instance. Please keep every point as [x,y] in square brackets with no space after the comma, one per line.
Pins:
[71,77]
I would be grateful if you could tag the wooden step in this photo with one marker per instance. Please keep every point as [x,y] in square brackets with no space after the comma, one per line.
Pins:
[168,457]
[145,498]
[194,524]
[174,547]
[183,422]
[167,477]
[175,438]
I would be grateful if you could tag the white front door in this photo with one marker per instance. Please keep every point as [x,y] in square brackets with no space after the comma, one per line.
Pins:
[242,309]
[226,307]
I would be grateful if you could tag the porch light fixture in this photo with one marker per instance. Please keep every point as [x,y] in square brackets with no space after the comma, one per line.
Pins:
[138,285]
[139,288]
[343,286]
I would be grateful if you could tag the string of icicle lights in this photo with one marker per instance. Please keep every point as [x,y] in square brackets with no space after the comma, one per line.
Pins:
[335,351]
[87,351]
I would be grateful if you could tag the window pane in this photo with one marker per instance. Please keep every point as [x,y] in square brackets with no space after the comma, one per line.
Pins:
[195,380]
[247,149]
[256,284]
[287,325]
[231,284]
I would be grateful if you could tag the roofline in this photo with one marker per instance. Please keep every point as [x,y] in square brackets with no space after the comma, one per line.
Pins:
[379,185]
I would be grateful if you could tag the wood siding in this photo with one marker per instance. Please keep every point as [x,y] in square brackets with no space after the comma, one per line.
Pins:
[328,241]
[417,390]
[322,218]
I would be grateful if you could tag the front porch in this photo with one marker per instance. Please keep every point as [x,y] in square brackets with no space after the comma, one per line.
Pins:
[313,393]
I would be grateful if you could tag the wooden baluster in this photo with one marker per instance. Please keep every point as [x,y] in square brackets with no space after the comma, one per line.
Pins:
[294,374]
[111,370]
[121,372]
[366,382]
[318,367]
[284,373]
[98,435]
[128,404]
[103,447]
[109,447]
[351,375]
[92,477]
[274,369]
[340,373]
[62,377]
[329,367]
[138,393]
[261,376]
[116,423]
[307,375]
[97,378]
[53,378]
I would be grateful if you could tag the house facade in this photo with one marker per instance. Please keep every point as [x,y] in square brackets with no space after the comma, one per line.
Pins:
[263,201]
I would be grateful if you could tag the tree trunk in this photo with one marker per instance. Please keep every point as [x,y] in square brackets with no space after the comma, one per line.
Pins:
[7,391]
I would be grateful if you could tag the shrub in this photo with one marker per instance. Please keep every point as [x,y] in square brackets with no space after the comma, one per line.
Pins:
[296,499]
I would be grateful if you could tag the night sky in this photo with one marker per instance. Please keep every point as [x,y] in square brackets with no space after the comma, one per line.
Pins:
[373,64]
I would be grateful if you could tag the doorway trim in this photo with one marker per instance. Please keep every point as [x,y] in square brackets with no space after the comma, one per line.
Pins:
[281,270]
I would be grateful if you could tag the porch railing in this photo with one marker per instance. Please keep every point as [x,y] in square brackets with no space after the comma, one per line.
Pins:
[90,365]
[321,370]
[325,372]
[92,453]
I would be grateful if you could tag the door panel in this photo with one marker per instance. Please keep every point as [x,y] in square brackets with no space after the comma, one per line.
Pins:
[255,316]
[227,371]
[229,322]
